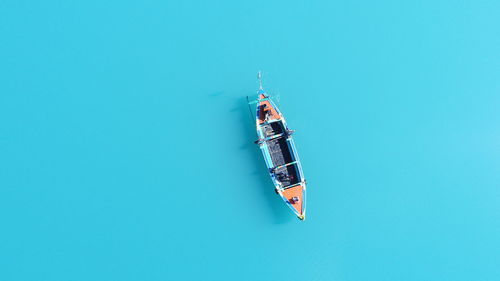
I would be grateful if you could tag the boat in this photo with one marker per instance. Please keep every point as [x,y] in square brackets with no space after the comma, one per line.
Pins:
[279,151]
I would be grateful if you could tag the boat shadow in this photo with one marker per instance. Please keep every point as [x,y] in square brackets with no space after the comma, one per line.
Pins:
[279,210]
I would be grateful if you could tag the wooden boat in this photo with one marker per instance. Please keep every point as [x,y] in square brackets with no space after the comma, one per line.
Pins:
[278,148]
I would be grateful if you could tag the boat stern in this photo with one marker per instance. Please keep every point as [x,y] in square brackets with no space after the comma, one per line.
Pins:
[295,199]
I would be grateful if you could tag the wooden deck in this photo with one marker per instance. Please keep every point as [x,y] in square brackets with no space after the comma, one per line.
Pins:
[295,191]
[266,106]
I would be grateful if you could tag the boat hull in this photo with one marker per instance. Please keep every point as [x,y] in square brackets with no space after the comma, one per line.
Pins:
[280,154]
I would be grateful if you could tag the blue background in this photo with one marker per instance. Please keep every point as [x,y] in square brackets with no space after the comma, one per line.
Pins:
[126,145]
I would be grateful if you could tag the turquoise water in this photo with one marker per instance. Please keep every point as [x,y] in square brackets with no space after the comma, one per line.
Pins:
[126,146]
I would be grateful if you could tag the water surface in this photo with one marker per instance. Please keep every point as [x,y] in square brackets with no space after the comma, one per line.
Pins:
[126,146]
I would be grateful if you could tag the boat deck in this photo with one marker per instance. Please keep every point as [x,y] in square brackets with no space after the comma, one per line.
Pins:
[287,175]
[296,191]
[279,151]
[266,111]
[272,129]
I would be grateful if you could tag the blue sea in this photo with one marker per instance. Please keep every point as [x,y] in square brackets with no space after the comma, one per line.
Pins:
[126,143]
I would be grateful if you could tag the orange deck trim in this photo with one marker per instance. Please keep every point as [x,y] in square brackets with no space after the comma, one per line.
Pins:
[295,191]
[268,107]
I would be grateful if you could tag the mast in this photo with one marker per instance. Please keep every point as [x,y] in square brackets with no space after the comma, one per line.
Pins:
[259,77]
